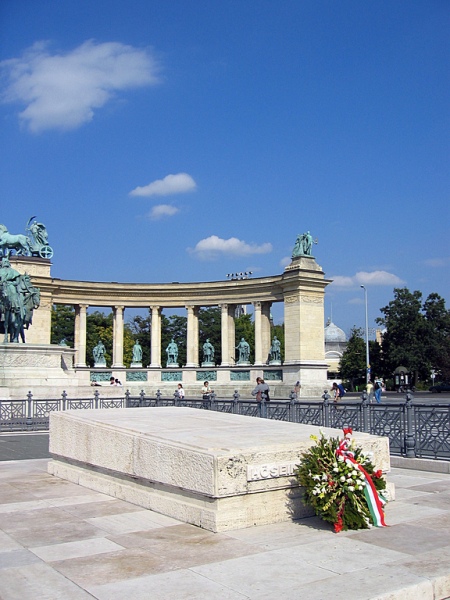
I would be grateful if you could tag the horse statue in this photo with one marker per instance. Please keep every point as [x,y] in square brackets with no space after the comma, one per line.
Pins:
[31,299]
[20,243]
[10,316]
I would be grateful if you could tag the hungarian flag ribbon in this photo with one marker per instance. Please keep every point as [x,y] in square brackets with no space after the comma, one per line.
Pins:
[374,501]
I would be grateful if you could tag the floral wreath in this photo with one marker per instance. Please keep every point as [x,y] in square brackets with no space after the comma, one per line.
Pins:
[341,483]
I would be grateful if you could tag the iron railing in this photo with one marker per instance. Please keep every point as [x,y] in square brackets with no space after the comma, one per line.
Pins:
[414,430]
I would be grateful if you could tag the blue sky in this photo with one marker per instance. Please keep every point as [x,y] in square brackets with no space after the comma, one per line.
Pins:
[181,141]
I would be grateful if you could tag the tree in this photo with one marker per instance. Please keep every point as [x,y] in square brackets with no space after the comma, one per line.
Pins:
[245,328]
[99,327]
[210,327]
[417,337]
[437,341]
[174,327]
[140,328]
[63,324]
[352,366]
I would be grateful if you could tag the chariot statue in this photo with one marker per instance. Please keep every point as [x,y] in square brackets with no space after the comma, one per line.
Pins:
[34,243]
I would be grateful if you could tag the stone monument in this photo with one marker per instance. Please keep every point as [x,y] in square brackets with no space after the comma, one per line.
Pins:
[215,470]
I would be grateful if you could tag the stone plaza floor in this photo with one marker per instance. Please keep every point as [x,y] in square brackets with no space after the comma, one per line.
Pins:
[61,541]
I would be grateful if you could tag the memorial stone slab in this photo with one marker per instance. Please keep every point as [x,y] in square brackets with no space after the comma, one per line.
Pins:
[218,471]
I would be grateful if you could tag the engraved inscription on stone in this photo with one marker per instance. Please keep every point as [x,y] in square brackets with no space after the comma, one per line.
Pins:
[270,471]
[312,299]
[291,299]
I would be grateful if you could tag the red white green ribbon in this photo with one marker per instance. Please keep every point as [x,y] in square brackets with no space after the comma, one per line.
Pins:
[374,501]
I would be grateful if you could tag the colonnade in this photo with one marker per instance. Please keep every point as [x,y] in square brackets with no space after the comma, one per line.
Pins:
[228,333]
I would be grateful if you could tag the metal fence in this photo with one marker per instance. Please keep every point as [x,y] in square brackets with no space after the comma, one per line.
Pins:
[414,430]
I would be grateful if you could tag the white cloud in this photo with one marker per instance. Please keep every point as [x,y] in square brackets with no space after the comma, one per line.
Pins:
[365,278]
[162,210]
[436,262]
[171,184]
[61,91]
[284,262]
[213,246]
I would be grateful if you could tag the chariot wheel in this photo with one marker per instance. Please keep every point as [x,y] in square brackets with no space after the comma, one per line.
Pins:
[46,252]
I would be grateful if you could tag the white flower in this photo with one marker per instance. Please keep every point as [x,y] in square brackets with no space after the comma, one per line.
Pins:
[335,470]
[324,477]
[351,488]
[354,473]
[341,459]
[342,479]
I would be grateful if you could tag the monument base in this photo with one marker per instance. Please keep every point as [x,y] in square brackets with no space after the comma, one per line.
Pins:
[25,367]
[218,471]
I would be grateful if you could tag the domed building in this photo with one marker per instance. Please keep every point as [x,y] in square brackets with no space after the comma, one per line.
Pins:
[335,344]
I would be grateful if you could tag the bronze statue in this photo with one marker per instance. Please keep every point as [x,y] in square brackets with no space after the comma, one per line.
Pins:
[18,299]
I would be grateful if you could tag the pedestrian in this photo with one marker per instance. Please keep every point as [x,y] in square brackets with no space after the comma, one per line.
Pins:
[377,391]
[297,389]
[206,390]
[112,381]
[339,391]
[261,390]
[369,390]
[118,383]
[180,391]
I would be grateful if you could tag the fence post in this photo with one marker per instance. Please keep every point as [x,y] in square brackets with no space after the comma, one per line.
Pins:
[365,411]
[64,399]
[236,398]
[142,398]
[29,410]
[96,394]
[292,398]
[158,397]
[410,439]
[212,401]
[263,407]
[127,399]
[326,408]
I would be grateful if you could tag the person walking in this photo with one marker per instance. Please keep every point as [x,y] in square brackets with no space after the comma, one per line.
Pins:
[377,391]
[261,390]
[369,391]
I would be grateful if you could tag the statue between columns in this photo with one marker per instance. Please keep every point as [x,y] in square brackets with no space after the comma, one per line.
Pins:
[208,354]
[244,352]
[172,354]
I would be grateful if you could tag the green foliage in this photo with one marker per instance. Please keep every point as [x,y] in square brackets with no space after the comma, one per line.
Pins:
[140,329]
[63,324]
[245,328]
[352,366]
[174,327]
[99,327]
[417,336]
[334,488]
[210,327]
[278,330]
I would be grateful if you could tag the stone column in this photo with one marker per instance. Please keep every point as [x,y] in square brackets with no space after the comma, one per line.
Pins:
[155,342]
[258,335]
[192,337]
[265,329]
[80,335]
[118,337]
[227,334]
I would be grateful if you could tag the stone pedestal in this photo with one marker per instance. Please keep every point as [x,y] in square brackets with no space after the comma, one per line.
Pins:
[25,367]
[214,470]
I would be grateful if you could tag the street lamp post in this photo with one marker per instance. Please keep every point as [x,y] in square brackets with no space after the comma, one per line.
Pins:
[367,337]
